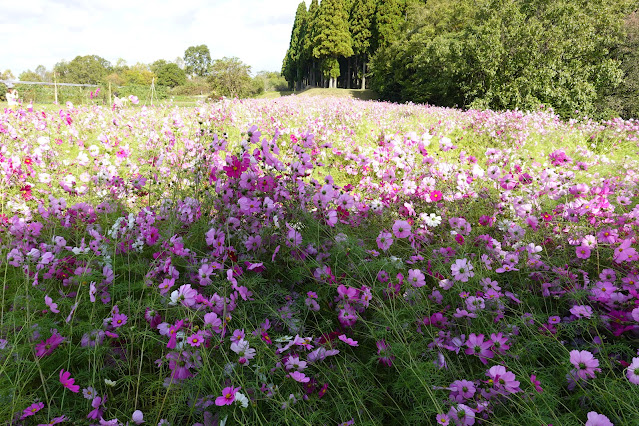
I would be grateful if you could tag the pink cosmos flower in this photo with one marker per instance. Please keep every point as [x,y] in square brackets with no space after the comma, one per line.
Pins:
[596,419]
[585,363]
[504,381]
[228,396]
[416,278]
[55,421]
[195,340]
[477,346]
[536,383]
[583,252]
[401,229]
[52,306]
[347,340]
[384,240]
[462,270]
[118,320]
[632,373]
[581,311]
[462,415]
[68,382]
[299,377]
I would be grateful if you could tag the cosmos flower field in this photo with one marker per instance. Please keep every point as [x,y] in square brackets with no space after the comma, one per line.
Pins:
[317,261]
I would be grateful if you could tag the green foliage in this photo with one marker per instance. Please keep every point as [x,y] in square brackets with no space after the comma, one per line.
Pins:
[3,92]
[170,75]
[625,98]
[331,37]
[507,54]
[89,69]
[361,25]
[139,74]
[272,81]
[143,92]
[197,60]
[388,20]
[6,75]
[292,67]
[231,77]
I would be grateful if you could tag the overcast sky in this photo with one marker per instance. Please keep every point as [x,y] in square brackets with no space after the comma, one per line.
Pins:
[44,32]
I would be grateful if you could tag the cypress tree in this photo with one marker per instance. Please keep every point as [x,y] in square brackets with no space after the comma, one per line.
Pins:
[332,38]
[291,68]
[388,20]
[308,43]
[361,26]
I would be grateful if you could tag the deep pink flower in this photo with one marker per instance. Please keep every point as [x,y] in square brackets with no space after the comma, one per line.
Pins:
[435,195]
[119,320]
[31,410]
[228,396]
[68,382]
[46,347]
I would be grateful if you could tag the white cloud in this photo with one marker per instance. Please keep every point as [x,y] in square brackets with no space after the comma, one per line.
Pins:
[44,32]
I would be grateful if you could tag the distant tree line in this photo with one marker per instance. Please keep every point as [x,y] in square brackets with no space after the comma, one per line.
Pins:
[580,57]
[194,74]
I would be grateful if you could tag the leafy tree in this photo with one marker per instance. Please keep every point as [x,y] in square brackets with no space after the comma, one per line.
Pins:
[138,74]
[89,69]
[29,75]
[624,99]
[155,66]
[231,77]
[170,75]
[507,54]
[331,38]
[6,75]
[197,60]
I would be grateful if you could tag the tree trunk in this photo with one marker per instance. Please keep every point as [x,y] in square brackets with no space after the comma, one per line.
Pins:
[364,73]
[348,73]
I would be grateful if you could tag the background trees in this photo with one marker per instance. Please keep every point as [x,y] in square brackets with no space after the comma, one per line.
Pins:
[576,56]
[231,77]
[197,60]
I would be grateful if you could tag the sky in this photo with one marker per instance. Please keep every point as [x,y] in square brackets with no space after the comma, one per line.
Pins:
[44,32]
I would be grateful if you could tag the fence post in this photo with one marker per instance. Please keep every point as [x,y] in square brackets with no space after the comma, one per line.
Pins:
[55,87]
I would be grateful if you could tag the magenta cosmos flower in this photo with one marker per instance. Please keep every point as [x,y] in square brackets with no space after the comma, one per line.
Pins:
[46,347]
[68,382]
[401,229]
[585,363]
[477,346]
[228,396]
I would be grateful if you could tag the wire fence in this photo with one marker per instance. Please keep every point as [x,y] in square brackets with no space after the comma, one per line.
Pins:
[79,94]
